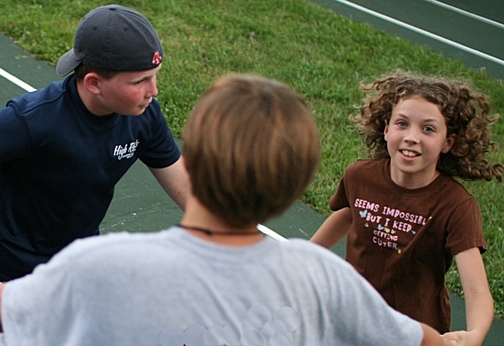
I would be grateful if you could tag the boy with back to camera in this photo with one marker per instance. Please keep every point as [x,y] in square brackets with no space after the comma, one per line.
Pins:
[64,147]
[251,147]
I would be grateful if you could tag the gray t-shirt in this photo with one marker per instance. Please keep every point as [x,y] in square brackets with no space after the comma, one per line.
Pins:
[171,288]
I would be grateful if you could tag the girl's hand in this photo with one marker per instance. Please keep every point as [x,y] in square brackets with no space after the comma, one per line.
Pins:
[461,338]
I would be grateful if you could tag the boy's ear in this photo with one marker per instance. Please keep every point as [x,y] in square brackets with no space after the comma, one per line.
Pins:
[450,140]
[92,83]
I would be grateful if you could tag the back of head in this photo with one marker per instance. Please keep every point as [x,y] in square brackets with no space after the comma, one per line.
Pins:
[251,147]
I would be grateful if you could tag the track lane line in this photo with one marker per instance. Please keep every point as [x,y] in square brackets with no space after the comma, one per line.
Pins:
[423,32]
[16,80]
[466,13]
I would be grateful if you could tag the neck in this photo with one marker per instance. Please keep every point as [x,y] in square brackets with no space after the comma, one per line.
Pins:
[202,223]
[220,232]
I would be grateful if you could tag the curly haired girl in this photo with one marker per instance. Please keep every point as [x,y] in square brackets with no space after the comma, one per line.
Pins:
[404,214]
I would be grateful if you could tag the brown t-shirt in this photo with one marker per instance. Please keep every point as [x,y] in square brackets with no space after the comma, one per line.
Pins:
[403,241]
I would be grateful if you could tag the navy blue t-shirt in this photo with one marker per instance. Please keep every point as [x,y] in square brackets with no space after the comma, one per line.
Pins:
[59,165]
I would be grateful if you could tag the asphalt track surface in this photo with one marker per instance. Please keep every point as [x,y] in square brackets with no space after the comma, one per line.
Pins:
[140,205]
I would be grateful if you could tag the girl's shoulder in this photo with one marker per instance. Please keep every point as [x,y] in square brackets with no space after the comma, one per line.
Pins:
[449,186]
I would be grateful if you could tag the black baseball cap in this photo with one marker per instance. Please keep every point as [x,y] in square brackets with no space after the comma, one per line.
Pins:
[113,38]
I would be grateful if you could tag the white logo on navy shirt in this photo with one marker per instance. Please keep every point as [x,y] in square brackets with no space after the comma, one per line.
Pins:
[126,151]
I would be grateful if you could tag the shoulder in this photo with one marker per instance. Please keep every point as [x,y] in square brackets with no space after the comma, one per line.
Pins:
[451,189]
[104,248]
[39,99]
[119,240]
[367,171]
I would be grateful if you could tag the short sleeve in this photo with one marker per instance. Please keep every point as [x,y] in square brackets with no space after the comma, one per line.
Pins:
[465,228]
[340,198]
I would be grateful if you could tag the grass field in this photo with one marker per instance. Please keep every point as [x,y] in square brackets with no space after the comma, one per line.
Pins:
[320,54]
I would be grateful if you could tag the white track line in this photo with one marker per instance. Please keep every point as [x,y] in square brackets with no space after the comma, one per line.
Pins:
[466,13]
[16,80]
[270,233]
[423,32]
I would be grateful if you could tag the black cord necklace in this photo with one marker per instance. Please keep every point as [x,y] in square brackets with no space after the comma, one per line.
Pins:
[211,232]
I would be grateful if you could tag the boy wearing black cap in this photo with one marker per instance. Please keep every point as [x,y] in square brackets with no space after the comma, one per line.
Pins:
[64,147]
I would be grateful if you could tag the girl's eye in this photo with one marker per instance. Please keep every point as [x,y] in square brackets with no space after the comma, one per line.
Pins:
[401,123]
[429,129]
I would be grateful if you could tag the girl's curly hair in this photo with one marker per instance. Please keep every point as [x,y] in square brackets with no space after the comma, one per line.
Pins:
[466,113]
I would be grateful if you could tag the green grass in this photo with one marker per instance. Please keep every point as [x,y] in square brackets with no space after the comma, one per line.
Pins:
[320,54]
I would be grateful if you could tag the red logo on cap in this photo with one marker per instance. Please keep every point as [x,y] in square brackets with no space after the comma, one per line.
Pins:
[156,59]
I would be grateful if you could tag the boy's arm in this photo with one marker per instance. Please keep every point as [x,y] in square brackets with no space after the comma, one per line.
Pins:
[478,299]
[174,180]
[334,228]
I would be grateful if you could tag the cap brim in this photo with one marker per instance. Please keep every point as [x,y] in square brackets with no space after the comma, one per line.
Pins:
[67,63]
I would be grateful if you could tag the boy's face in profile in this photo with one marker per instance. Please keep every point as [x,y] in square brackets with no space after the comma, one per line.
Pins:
[128,93]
